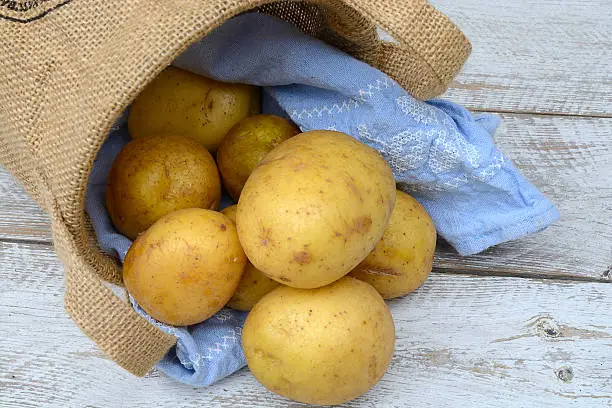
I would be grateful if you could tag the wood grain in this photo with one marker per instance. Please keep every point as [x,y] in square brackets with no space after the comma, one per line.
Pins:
[20,217]
[568,158]
[570,161]
[535,56]
[461,340]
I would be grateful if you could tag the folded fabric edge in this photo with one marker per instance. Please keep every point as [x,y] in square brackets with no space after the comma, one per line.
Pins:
[532,223]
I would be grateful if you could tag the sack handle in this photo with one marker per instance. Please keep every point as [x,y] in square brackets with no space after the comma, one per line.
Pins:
[129,339]
[430,49]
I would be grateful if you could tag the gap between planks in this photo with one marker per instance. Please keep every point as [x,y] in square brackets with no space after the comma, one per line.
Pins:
[538,113]
[546,57]
[437,270]
[42,241]
[559,276]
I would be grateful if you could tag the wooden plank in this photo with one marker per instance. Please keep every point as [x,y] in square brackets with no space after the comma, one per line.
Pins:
[535,56]
[569,159]
[461,341]
[20,217]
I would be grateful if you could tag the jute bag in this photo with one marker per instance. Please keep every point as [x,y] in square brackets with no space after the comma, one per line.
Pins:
[70,67]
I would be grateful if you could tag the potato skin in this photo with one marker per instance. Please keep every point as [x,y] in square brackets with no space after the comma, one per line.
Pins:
[403,258]
[320,346]
[183,103]
[185,267]
[154,176]
[246,145]
[254,284]
[314,208]
[252,287]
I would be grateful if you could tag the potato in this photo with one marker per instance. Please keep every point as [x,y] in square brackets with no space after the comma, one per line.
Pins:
[191,105]
[154,176]
[185,267]
[320,346]
[403,258]
[314,208]
[253,285]
[245,146]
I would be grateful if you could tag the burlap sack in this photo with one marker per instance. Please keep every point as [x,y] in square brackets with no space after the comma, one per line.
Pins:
[70,67]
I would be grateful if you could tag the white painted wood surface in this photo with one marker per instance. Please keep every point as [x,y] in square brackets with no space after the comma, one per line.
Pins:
[535,56]
[569,160]
[496,329]
[20,217]
[461,341]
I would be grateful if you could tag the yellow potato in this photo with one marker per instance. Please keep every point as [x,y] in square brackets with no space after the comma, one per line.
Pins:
[245,146]
[154,176]
[253,285]
[191,105]
[320,346]
[314,208]
[185,267]
[403,258]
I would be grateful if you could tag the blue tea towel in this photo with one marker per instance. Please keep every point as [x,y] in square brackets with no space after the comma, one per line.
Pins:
[439,152]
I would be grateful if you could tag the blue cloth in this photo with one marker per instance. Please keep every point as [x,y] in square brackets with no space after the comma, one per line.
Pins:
[439,152]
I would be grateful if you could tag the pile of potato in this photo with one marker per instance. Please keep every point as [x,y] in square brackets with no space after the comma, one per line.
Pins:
[318,238]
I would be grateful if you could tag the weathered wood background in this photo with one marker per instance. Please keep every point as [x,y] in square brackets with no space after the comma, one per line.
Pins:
[525,324]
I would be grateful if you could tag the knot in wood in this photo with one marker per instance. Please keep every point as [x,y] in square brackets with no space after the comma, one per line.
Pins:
[547,327]
[565,374]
